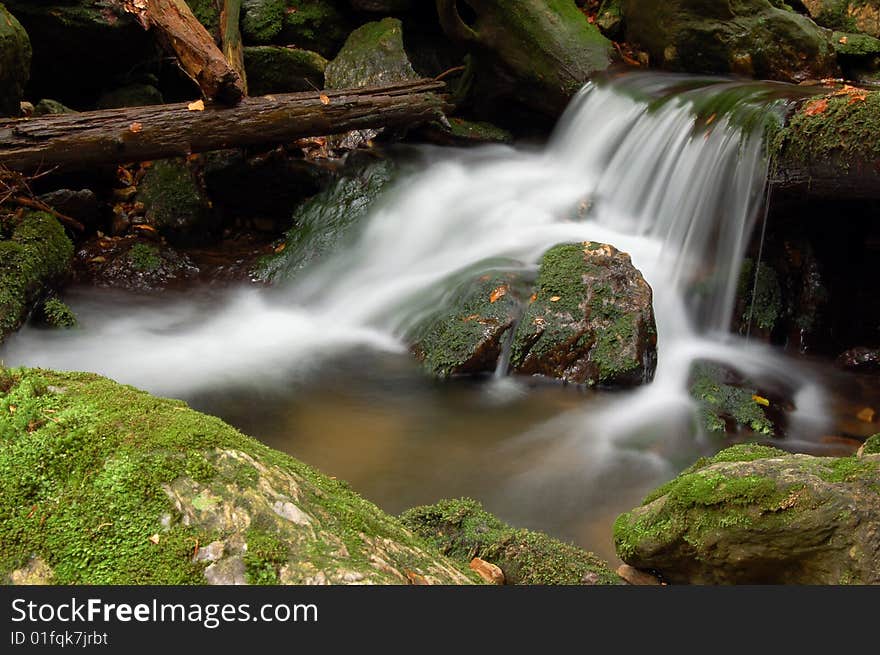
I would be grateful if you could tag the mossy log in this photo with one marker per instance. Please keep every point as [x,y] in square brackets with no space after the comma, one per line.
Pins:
[87,139]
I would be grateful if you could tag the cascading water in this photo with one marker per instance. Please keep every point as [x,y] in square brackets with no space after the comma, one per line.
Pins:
[671,170]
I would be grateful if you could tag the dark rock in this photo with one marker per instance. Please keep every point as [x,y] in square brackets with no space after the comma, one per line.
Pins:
[373,55]
[757,515]
[83,205]
[846,15]
[382,6]
[609,20]
[131,95]
[462,529]
[15,63]
[132,264]
[860,359]
[590,320]
[468,339]
[174,200]
[461,132]
[755,38]
[275,69]
[317,25]
[48,106]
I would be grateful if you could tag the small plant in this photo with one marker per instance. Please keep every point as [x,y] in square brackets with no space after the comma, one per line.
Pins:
[58,314]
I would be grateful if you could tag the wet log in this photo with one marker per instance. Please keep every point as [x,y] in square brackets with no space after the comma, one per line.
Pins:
[180,32]
[83,140]
[233,49]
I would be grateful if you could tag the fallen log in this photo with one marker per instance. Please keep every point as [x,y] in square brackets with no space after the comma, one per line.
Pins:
[87,139]
[180,32]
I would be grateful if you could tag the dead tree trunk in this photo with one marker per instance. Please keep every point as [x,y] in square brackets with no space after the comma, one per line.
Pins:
[84,140]
[230,32]
[181,33]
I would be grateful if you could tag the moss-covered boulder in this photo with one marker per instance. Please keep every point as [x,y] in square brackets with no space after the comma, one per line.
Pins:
[275,69]
[104,484]
[34,253]
[131,263]
[756,38]
[319,25]
[590,320]
[373,55]
[327,219]
[757,515]
[728,406]
[846,15]
[545,49]
[469,337]
[131,95]
[15,63]
[462,530]
[174,200]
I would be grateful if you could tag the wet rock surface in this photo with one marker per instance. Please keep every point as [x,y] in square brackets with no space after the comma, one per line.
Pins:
[132,263]
[15,63]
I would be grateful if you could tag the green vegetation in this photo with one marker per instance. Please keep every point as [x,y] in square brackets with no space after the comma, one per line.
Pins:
[720,402]
[144,257]
[57,314]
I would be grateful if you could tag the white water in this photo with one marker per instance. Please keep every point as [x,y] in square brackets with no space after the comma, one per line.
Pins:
[682,201]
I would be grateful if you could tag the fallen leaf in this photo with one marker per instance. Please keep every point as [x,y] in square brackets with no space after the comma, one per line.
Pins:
[489,572]
[711,119]
[325,99]
[816,107]
[472,317]
[866,415]
[280,248]
[843,40]
[533,298]
[155,539]
[135,128]
[198,105]
[761,401]
[498,293]
[12,409]
[144,227]
[555,298]
[98,260]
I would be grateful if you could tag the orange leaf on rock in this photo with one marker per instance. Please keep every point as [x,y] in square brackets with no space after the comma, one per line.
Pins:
[498,293]
[816,107]
[555,298]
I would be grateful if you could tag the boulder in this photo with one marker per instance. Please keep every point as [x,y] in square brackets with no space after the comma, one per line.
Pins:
[131,95]
[589,321]
[15,63]
[318,25]
[543,51]
[132,264]
[846,15]
[34,253]
[755,38]
[373,55]
[275,69]
[118,487]
[174,200]
[758,515]
[462,530]
[728,405]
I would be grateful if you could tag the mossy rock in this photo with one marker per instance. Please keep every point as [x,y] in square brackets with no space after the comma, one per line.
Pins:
[757,515]
[609,19]
[468,337]
[131,264]
[34,253]
[318,25]
[462,530]
[275,69]
[15,63]
[208,14]
[855,46]
[373,55]
[461,132]
[328,219]
[48,106]
[101,483]
[756,38]
[871,446]
[726,408]
[174,200]
[846,15]
[131,95]
[590,320]
[57,314]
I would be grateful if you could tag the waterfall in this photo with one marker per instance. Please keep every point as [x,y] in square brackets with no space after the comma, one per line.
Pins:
[670,169]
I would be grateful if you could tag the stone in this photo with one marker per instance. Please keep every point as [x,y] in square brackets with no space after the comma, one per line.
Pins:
[635,577]
[131,95]
[373,55]
[590,320]
[846,15]
[15,63]
[174,200]
[317,25]
[276,69]
[757,515]
[132,263]
[229,571]
[36,572]
[488,571]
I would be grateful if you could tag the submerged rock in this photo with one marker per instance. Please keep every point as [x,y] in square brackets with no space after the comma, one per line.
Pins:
[133,264]
[15,63]
[757,515]
[275,69]
[120,487]
[860,359]
[727,405]
[34,253]
[755,38]
[590,320]
[463,530]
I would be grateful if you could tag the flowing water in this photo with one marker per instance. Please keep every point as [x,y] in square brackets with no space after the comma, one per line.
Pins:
[671,170]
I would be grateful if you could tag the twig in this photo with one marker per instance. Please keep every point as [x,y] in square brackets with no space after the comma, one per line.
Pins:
[457,69]
[39,205]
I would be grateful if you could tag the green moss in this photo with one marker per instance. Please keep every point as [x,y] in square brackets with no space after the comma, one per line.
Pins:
[747,452]
[462,529]
[479,131]
[848,469]
[15,63]
[761,298]
[872,445]
[835,14]
[372,55]
[855,45]
[36,253]
[266,553]
[208,14]
[58,314]
[609,352]
[144,257]
[172,196]
[719,401]
[317,25]
[261,20]
[563,269]
[83,463]
[274,69]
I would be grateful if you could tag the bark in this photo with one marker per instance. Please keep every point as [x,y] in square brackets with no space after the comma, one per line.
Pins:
[87,139]
[233,49]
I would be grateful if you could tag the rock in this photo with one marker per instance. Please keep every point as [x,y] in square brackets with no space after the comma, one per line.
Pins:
[131,95]
[590,320]
[96,41]
[489,572]
[55,313]
[728,405]
[48,106]
[324,221]
[274,69]
[462,530]
[870,447]
[116,465]
[34,255]
[461,132]
[860,359]
[755,38]
[382,6]
[15,63]
[35,572]
[759,304]
[543,50]
[83,205]
[208,14]
[855,46]
[846,15]
[635,577]
[174,200]
[468,338]
[609,20]
[373,55]
[317,25]
[129,263]
[757,515]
